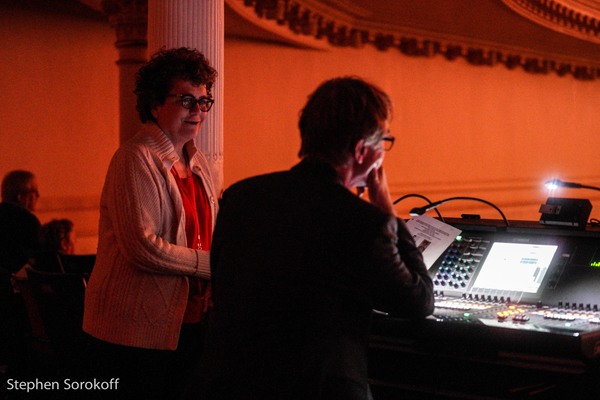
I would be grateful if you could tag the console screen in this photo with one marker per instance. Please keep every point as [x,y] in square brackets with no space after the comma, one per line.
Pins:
[515,267]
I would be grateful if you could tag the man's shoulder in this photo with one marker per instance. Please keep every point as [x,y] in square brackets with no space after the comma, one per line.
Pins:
[258,181]
[16,217]
[16,211]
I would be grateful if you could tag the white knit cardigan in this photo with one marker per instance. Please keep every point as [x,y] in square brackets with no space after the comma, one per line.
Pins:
[138,290]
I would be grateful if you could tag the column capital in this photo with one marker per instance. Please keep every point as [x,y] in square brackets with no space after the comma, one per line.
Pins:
[129,18]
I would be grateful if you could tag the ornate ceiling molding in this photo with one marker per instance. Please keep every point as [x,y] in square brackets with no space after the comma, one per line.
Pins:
[315,24]
[578,18]
[129,18]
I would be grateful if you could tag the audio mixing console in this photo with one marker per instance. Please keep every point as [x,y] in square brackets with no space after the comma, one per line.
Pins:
[524,296]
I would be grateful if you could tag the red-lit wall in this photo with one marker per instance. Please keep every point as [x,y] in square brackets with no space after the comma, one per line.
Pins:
[461,130]
[59,110]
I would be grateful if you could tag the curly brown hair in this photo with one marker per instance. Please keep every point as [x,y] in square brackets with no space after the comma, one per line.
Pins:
[155,78]
[54,232]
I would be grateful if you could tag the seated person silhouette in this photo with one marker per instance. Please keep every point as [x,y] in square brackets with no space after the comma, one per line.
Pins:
[19,227]
[57,237]
[19,240]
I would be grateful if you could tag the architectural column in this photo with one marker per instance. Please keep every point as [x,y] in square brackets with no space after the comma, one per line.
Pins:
[129,18]
[200,25]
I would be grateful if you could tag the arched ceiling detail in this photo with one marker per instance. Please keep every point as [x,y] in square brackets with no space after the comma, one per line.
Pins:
[483,32]
[578,18]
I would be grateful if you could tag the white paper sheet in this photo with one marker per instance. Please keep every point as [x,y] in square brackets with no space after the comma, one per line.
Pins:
[432,236]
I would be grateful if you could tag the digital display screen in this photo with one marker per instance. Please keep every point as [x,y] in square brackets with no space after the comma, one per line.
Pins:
[515,267]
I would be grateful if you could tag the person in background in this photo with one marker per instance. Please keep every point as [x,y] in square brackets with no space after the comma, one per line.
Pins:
[148,293]
[299,261]
[57,236]
[19,227]
[19,241]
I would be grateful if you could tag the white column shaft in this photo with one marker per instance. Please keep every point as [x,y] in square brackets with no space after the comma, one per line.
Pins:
[196,24]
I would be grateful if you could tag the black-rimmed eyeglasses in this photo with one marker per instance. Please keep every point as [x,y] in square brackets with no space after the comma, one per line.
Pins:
[388,142]
[188,101]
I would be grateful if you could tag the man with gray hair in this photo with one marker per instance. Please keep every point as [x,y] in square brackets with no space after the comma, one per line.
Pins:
[299,261]
[19,240]
[19,227]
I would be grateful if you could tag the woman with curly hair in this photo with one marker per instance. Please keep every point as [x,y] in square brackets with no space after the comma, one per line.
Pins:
[149,292]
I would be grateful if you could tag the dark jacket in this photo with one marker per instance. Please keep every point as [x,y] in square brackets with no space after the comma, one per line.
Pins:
[19,236]
[298,263]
